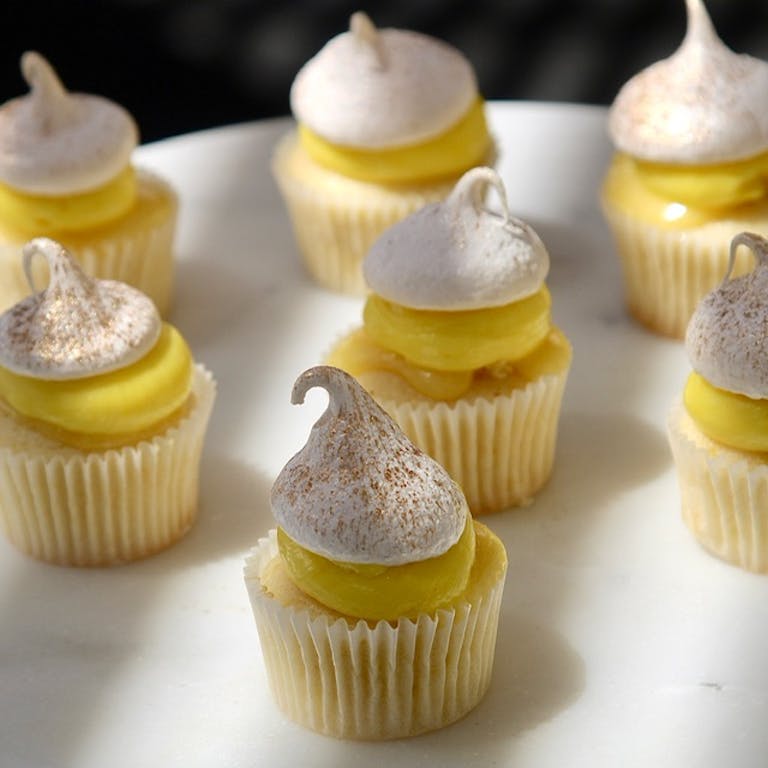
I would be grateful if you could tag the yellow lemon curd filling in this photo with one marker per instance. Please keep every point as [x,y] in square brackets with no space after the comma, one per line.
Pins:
[729,418]
[440,353]
[69,213]
[117,406]
[463,146]
[685,196]
[381,592]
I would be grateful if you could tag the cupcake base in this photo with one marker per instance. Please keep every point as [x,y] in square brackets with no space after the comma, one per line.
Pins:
[350,679]
[336,219]
[724,494]
[99,508]
[667,271]
[136,248]
[497,441]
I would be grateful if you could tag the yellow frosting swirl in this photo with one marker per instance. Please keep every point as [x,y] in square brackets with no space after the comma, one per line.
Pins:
[729,418]
[683,196]
[377,592]
[69,213]
[461,340]
[125,401]
[461,147]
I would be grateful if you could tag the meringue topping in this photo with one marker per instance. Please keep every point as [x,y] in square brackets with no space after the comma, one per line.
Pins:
[727,337]
[78,326]
[703,104]
[53,142]
[359,491]
[384,88]
[457,254]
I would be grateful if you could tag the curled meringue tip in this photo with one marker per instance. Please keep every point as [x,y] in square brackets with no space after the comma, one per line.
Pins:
[756,243]
[471,188]
[77,325]
[726,339]
[58,258]
[334,381]
[359,490]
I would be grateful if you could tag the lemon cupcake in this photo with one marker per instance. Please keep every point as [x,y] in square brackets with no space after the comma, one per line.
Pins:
[691,134]
[719,431]
[102,419]
[387,121]
[458,343]
[66,173]
[377,598]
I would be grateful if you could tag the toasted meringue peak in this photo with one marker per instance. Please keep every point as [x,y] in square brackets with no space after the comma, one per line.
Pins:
[359,491]
[704,104]
[456,254]
[727,337]
[53,142]
[378,88]
[78,326]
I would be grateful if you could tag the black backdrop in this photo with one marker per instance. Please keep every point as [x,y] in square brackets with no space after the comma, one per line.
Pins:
[182,65]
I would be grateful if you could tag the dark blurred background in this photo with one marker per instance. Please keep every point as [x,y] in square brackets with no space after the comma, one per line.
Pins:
[183,65]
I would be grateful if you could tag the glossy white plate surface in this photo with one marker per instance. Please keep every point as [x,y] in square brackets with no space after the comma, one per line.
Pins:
[621,642]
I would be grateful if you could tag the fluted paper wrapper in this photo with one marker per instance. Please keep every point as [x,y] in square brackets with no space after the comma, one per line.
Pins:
[373,682]
[500,450]
[667,271]
[724,494]
[136,249]
[337,219]
[79,508]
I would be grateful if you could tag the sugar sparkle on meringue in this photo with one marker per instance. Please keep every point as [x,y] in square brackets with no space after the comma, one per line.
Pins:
[78,326]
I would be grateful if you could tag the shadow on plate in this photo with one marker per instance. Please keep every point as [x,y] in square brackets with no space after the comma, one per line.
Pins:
[234,512]
[536,675]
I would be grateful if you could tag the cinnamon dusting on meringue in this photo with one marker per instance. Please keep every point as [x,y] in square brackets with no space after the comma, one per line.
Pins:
[53,142]
[78,326]
[359,491]
[457,254]
[704,104]
[727,337]
[382,88]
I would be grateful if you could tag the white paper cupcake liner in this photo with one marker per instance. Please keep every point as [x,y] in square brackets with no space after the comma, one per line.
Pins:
[667,271]
[500,450]
[387,681]
[137,249]
[79,508]
[724,494]
[336,219]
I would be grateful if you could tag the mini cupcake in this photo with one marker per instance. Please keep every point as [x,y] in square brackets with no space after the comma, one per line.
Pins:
[66,173]
[718,432]
[691,134]
[102,419]
[458,343]
[387,121]
[377,598]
